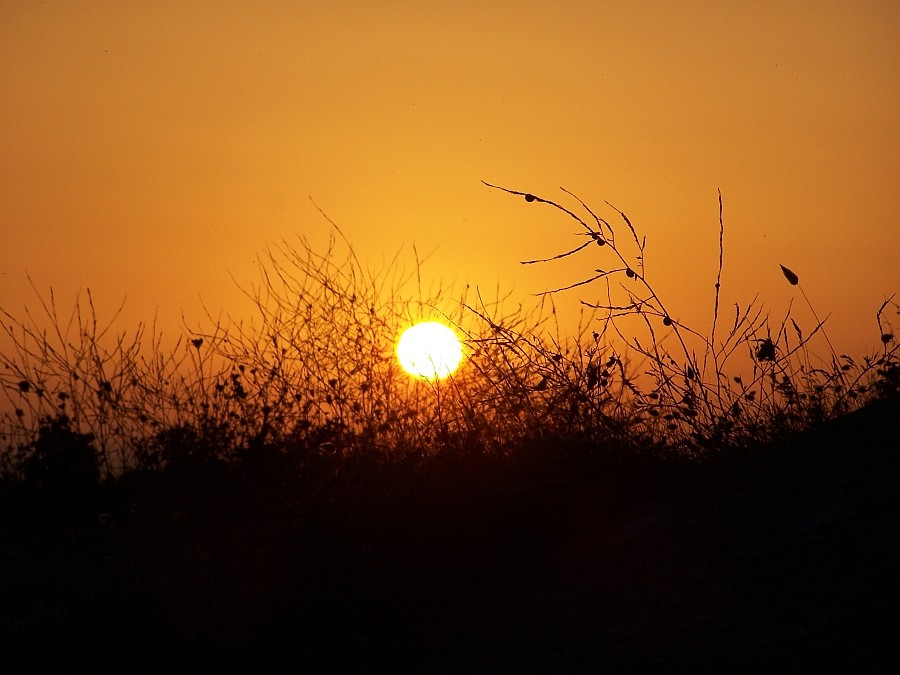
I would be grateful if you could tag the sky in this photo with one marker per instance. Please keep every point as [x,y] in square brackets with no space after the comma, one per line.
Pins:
[150,151]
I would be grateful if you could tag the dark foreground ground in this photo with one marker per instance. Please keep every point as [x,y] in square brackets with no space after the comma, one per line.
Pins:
[784,561]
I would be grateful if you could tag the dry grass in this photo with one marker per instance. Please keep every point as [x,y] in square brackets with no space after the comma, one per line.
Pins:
[314,369]
[695,393]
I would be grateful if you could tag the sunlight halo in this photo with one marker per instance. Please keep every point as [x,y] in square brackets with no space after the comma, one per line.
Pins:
[429,350]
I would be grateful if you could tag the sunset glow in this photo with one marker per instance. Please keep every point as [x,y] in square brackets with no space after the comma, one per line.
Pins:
[359,335]
[150,151]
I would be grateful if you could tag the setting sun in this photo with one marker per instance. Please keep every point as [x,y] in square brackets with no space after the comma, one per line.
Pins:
[429,350]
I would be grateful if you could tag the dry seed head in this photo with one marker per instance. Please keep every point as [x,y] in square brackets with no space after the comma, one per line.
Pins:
[792,278]
[766,350]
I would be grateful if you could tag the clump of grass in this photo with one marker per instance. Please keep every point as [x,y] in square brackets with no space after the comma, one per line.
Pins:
[311,379]
[312,374]
[74,368]
[693,393]
[318,365]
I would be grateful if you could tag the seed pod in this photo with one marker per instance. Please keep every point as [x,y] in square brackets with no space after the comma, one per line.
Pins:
[667,321]
[792,278]
[629,273]
[529,198]
[597,237]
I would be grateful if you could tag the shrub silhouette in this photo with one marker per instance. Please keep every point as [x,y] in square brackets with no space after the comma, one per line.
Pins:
[61,460]
[187,447]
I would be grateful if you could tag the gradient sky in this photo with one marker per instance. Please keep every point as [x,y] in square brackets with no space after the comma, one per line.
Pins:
[149,151]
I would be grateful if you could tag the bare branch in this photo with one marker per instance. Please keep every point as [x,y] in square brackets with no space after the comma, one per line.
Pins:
[557,257]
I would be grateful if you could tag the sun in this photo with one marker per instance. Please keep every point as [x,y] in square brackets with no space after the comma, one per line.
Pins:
[429,350]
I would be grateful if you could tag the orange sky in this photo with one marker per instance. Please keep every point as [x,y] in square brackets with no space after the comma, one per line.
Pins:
[150,150]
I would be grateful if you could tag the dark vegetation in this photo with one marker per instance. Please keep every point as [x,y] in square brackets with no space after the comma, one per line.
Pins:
[278,492]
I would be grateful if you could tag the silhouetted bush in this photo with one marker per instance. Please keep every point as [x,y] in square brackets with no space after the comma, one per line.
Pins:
[61,460]
[187,447]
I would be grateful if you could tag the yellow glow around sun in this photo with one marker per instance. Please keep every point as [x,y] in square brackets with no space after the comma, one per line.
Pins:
[429,350]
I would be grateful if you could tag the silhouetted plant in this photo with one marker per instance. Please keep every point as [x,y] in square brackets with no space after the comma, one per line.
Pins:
[313,373]
[690,399]
[61,460]
[186,446]
[109,385]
